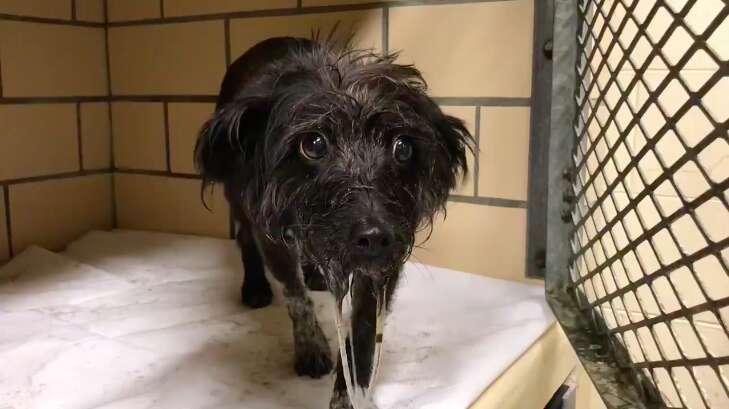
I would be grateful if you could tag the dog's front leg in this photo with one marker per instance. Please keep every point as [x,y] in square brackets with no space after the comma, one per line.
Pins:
[364,329]
[311,349]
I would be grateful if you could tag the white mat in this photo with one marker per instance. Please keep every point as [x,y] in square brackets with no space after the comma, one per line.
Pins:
[153,321]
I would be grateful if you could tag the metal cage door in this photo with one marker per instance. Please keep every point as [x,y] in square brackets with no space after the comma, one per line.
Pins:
[638,205]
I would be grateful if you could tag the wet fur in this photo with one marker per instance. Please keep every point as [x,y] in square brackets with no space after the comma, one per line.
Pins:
[295,216]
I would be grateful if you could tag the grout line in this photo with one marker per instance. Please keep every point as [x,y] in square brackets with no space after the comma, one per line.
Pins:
[160,173]
[107,52]
[489,201]
[167,136]
[114,217]
[231,224]
[112,160]
[79,137]
[8,226]
[477,153]
[73,10]
[298,10]
[51,100]
[485,101]
[165,98]
[105,11]
[385,30]
[1,79]
[57,21]
[446,101]
[299,4]
[114,220]
[43,178]
[226,28]
[162,8]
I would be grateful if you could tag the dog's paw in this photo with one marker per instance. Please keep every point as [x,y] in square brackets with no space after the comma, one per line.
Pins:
[313,361]
[256,297]
[340,400]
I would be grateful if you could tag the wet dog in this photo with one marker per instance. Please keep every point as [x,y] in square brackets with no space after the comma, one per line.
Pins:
[331,159]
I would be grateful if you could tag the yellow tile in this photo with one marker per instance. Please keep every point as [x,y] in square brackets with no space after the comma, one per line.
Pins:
[698,18]
[312,3]
[717,344]
[712,216]
[90,10]
[692,128]
[95,135]
[677,43]
[4,245]
[121,10]
[478,239]
[717,42]
[192,7]
[139,135]
[37,8]
[504,146]
[184,58]
[52,60]
[712,278]
[170,205]
[711,385]
[467,114]
[37,139]
[715,100]
[78,205]
[245,33]
[688,389]
[492,53]
[185,122]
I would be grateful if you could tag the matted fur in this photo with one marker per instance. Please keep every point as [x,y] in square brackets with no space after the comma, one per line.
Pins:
[303,211]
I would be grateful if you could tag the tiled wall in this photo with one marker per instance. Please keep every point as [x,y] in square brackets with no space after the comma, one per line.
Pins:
[62,116]
[55,151]
[167,60]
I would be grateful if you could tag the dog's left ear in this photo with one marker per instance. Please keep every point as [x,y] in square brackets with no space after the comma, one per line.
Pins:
[455,140]
[229,137]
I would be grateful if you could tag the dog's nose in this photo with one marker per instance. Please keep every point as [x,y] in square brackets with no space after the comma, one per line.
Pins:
[371,240]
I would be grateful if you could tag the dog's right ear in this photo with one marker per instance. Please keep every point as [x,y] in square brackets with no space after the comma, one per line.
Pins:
[229,137]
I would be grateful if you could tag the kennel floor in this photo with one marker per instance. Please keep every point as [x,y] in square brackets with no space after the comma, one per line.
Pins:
[138,320]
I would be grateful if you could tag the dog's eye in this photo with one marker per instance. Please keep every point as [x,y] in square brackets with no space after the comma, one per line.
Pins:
[402,150]
[313,146]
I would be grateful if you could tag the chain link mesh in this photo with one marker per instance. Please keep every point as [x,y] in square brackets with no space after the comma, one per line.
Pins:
[650,238]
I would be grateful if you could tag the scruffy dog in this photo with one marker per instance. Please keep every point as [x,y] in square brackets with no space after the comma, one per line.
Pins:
[331,161]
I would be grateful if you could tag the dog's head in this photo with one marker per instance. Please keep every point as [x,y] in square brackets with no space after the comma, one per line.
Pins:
[341,154]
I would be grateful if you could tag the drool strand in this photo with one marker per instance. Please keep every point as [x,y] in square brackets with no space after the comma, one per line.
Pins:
[360,398]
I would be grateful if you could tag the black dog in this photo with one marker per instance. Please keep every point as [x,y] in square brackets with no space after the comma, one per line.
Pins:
[331,161]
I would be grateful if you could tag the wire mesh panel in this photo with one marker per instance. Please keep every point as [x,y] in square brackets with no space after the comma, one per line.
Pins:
[649,215]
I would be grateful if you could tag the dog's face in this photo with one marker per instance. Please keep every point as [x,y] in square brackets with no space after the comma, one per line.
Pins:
[341,155]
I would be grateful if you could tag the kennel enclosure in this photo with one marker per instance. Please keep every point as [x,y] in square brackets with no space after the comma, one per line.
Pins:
[120,128]
[638,235]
